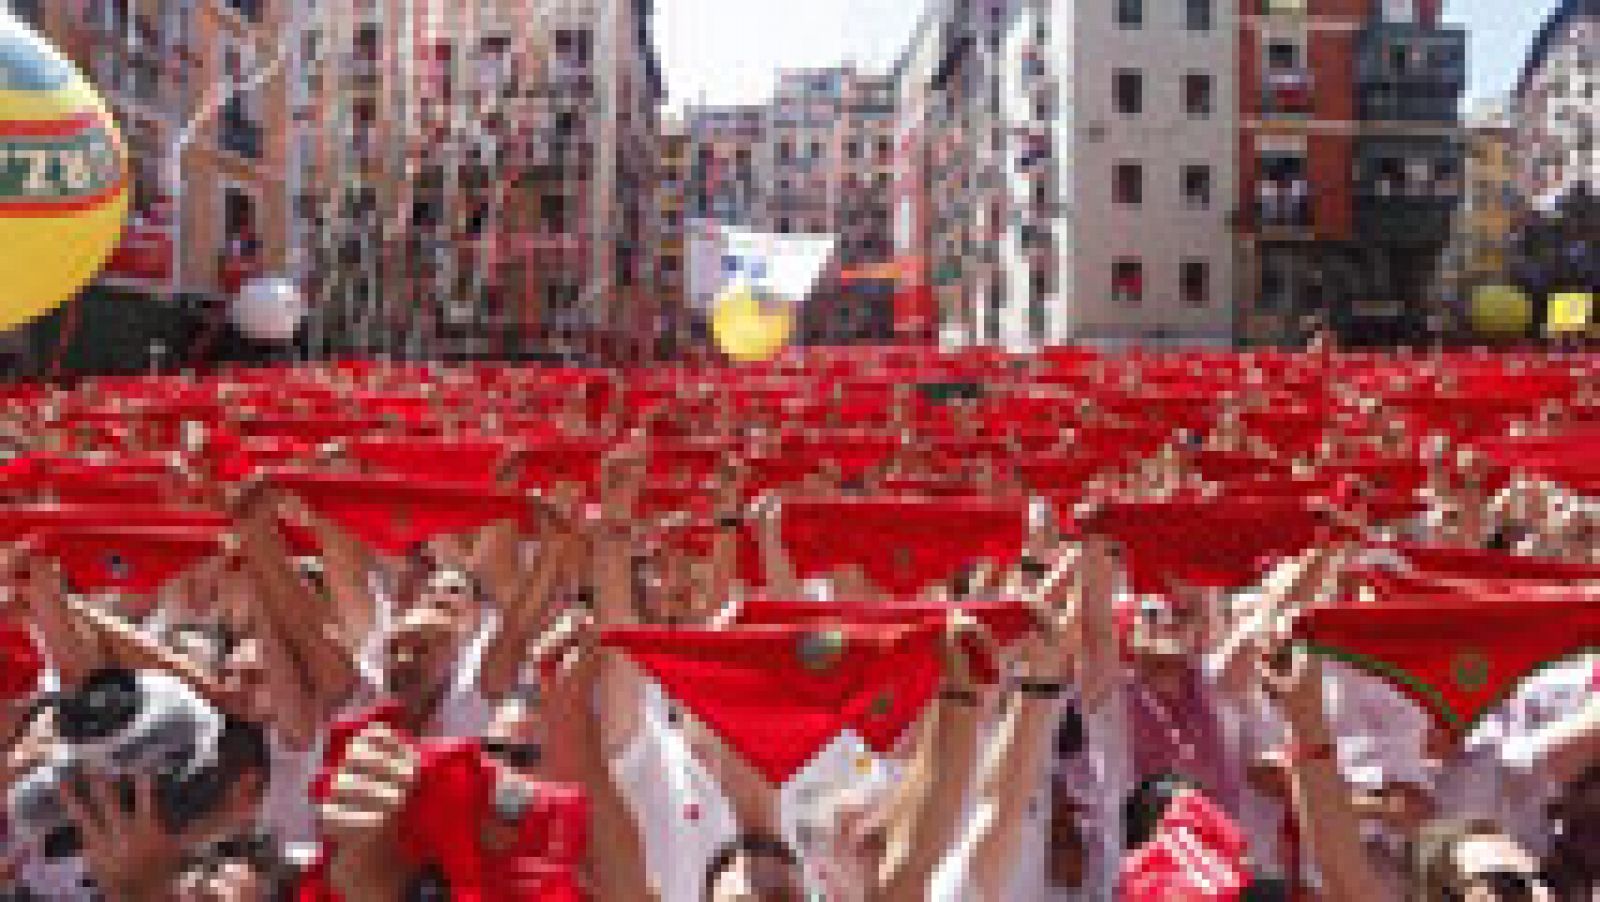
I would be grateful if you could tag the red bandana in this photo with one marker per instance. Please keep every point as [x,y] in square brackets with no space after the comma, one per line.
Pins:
[394,513]
[1456,656]
[21,662]
[1005,620]
[902,544]
[19,521]
[778,695]
[1198,854]
[447,459]
[1218,543]
[126,559]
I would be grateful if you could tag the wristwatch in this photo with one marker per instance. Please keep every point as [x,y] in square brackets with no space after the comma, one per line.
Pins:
[512,799]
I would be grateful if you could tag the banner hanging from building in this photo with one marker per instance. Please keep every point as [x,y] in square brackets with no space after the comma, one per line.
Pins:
[782,268]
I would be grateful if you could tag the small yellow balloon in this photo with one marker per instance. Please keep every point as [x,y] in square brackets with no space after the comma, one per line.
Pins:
[1501,310]
[750,330]
[63,177]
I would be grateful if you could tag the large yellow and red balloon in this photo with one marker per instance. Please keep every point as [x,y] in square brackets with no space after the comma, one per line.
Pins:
[63,177]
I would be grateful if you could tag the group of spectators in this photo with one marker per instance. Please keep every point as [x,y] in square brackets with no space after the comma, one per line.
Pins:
[1077,586]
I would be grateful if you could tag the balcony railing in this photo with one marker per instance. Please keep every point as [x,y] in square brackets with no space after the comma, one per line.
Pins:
[1286,91]
[1283,204]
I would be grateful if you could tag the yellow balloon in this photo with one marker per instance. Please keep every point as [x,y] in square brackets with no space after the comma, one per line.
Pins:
[746,330]
[63,177]
[1501,310]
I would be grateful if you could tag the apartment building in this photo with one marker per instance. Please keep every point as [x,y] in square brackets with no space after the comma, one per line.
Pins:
[1482,246]
[1556,108]
[477,178]
[1078,164]
[1351,165]
[199,89]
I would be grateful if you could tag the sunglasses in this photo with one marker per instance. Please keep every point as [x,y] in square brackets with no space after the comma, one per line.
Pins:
[516,755]
[1509,885]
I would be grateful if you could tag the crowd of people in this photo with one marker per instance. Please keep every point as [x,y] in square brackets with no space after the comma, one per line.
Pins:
[856,625]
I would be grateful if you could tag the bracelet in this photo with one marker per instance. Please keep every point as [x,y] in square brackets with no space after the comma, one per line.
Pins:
[1296,754]
[1041,688]
[960,696]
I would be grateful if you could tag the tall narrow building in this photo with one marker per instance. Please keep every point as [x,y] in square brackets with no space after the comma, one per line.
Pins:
[1351,161]
[475,176]
[1076,163]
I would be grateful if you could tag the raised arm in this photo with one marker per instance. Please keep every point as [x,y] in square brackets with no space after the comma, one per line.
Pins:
[560,548]
[940,779]
[616,866]
[1329,825]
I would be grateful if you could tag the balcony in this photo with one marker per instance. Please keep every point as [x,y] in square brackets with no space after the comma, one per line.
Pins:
[1393,53]
[249,9]
[1283,205]
[1286,92]
[1407,189]
[1410,73]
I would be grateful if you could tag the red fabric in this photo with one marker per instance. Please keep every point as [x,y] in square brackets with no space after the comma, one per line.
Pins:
[1217,543]
[551,461]
[1477,563]
[1457,657]
[448,459]
[21,662]
[126,559]
[20,520]
[1196,855]
[754,688]
[1005,620]
[902,544]
[395,513]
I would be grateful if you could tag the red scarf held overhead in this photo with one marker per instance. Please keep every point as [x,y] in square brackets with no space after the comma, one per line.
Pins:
[475,461]
[1455,656]
[1477,563]
[902,544]
[548,462]
[1006,621]
[395,513]
[21,520]
[778,695]
[1220,543]
[126,559]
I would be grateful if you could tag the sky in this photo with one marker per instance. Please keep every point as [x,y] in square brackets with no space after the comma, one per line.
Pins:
[726,51]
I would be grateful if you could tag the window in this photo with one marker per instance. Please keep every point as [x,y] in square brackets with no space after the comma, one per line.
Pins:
[1197,94]
[1127,280]
[1130,13]
[1197,186]
[1128,186]
[1128,86]
[1194,282]
[1198,15]
[1283,55]
[785,226]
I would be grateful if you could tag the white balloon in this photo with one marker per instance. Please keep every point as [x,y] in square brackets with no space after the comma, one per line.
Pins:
[268,309]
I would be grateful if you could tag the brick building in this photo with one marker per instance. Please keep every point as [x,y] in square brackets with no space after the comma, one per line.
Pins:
[1351,163]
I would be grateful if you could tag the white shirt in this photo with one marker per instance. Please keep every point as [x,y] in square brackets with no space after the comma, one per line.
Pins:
[681,811]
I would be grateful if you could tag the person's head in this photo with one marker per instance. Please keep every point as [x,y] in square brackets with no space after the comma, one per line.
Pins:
[1144,808]
[1575,852]
[418,652]
[1474,861]
[450,591]
[243,765]
[245,868]
[755,869]
[1167,629]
